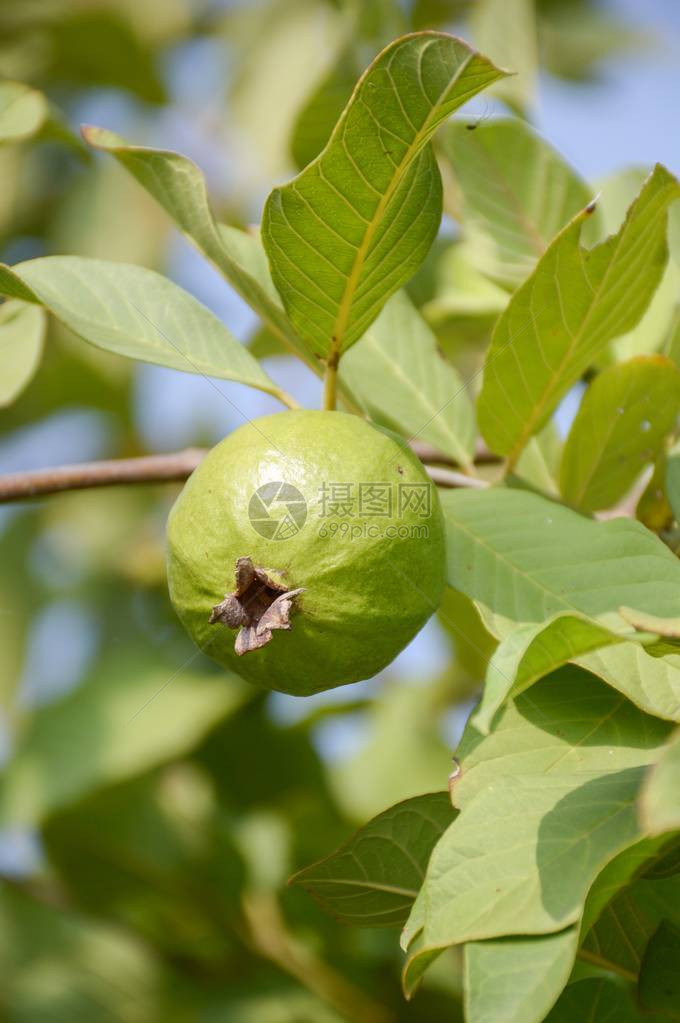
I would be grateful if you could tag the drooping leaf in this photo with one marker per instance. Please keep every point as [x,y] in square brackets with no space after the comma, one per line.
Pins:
[660,799]
[546,801]
[526,558]
[653,509]
[516,980]
[598,1000]
[624,418]
[397,375]
[516,193]
[358,221]
[22,331]
[571,306]
[533,650]
[659,984]
[178,185]
[373,879]
[107,722]
[23,111]
[135,312]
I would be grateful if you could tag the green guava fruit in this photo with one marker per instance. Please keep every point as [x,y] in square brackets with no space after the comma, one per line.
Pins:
[306,550]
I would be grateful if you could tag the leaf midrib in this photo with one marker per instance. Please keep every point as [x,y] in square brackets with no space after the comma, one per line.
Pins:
[345,306]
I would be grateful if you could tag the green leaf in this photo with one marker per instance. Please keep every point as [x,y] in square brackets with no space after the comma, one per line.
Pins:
[178,185]
[546,801]
[539,463]
[669,627]
[358,221]
[22,331]
[659,985]
[517,192]
[616,192]
[620,427]
[104,731]
[399,378]
[135,312]
[533,650]
[618,939]
[660,799]
[572,305]
[23,111]
[373,879]
[597,1000]
[516,980]
[526,558]
[507,29]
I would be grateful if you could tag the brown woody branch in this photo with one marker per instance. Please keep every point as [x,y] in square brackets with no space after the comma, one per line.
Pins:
[165,468]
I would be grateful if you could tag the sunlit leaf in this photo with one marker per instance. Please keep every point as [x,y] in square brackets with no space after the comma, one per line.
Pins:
[22,330]
[134,312]
[516,194]
[624,418]
[526,558]
[356,224]
[533,650]
[542,811]
[572,305]
[179,187]
[397,375]
[373,879]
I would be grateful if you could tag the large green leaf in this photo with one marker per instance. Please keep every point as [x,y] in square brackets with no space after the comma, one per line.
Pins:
[526,559]
[178,185]
[546,801]
[624,418]
[660,800]
[137,313]
[373,879]
[573,304]
[128,717]
[516,192]
[23,111]
[516,980]
[22,330]
[397,375]
[533,650]
[358,221]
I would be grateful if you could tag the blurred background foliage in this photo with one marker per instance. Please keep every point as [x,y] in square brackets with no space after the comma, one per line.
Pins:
[152,809]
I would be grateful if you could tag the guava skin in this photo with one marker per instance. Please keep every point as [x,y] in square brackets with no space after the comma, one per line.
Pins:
[363,598]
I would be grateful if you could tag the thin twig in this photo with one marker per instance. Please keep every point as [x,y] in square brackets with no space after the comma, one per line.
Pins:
[158,469]
[114,472]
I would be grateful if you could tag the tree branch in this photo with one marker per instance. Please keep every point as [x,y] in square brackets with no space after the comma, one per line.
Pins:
[164,468]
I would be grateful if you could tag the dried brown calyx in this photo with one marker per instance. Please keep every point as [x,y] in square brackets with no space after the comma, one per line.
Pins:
[257,606]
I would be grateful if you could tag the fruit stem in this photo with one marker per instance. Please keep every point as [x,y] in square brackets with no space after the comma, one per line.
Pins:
[330,388]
